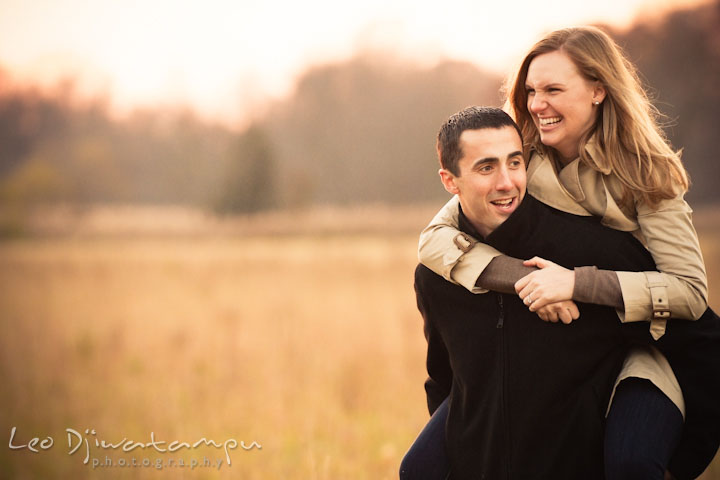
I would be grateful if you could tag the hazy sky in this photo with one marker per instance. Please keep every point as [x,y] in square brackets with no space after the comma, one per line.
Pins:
[222,57]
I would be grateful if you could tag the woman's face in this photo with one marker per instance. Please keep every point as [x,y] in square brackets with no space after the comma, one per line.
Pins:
[561,102]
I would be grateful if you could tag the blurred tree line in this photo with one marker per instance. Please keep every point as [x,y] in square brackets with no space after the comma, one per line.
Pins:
[361,131]
[679,58]
[54,150]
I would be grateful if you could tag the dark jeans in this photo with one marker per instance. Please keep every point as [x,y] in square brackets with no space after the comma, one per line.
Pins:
[642,430]
[427,459]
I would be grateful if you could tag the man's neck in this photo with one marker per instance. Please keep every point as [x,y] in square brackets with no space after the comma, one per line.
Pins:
[465,225]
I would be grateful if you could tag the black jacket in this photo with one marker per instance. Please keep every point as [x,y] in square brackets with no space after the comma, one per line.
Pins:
[527,398]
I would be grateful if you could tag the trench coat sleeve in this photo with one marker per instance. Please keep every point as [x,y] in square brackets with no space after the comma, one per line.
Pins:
[455,256]
[679,290]
[440,375]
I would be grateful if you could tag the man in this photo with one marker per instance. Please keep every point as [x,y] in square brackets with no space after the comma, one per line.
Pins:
[526,399]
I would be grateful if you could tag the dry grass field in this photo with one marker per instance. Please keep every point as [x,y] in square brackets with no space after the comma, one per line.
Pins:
[309,345]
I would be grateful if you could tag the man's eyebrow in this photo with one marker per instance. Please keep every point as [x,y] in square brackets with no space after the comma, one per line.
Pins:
[483,161]
[486,160]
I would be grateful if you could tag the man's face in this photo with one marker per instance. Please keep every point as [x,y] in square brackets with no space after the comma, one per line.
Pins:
[492,177]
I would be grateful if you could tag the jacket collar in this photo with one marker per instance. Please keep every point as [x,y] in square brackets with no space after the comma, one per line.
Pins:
[545,184]
[577,188]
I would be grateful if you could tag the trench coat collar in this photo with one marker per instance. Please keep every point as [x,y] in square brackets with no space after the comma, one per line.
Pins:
[543,183]
[578,189]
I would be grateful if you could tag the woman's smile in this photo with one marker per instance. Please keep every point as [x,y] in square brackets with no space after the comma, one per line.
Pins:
[549,121]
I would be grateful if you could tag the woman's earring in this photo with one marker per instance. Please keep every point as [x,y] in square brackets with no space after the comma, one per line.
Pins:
[597,103]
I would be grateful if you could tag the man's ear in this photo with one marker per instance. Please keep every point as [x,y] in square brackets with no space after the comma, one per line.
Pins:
[448,180]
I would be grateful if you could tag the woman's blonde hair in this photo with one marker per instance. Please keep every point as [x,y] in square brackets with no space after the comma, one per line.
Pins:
[633,146]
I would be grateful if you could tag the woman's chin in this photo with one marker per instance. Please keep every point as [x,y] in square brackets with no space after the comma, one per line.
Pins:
[549,140]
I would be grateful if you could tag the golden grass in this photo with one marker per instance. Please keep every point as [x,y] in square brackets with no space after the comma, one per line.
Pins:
[309,345]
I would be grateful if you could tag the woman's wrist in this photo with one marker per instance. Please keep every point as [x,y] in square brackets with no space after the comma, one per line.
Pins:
[600,287]
[501,274]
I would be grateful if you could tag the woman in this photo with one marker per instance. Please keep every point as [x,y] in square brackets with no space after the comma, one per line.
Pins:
[595,149]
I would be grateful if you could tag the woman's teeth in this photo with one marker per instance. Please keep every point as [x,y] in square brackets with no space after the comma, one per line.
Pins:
[549,120]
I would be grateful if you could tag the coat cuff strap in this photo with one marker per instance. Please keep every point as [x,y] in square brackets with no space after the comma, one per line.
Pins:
[660,305]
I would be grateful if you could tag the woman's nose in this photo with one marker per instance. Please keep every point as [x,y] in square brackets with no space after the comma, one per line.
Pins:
[536,104]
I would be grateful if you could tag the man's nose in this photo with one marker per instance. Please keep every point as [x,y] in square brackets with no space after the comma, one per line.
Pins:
[503,182]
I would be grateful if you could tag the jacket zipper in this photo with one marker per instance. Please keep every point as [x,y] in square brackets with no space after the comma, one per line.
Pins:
[503,399]
[501,315]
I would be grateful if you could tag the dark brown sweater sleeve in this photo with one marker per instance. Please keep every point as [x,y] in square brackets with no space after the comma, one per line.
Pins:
[501,274]
[600,287]
[592,285]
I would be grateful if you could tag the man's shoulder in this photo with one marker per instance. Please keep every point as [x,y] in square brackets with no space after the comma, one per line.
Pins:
[425,277]
[421,271]
[433,287]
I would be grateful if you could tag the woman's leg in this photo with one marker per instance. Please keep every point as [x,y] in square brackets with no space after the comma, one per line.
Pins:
[642,430]
[427,458]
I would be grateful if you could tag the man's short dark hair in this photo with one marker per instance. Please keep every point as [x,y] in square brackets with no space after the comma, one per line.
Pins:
[470,118]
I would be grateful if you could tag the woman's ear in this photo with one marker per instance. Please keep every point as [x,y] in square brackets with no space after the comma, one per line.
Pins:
[599,94]
[448,180]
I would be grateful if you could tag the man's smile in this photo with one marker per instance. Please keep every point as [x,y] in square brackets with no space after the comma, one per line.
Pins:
[507,204]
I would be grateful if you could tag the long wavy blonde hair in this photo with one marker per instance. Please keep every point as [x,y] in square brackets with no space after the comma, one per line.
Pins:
[626,130]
